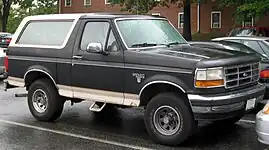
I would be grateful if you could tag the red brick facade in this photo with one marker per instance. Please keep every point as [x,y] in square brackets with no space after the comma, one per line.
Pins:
[226,24]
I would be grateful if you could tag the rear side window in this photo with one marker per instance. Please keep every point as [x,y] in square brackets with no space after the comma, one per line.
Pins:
[50,33]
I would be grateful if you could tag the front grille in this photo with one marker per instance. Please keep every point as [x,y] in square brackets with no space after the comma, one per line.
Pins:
[241,75]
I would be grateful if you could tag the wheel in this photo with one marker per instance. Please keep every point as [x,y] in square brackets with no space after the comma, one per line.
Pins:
[169,119]
[228,121]
[44,102]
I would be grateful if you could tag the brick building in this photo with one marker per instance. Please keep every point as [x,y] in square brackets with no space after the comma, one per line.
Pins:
[212,18]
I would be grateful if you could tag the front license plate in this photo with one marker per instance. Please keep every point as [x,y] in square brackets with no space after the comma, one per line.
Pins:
[251,104]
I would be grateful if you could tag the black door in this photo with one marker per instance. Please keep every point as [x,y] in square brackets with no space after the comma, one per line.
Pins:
[98,76]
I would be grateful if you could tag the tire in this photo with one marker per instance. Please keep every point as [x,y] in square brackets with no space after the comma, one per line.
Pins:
[54,102]
[179,105]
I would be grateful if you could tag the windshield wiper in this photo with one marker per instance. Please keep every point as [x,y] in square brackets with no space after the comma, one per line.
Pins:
[172,43]
[144,45]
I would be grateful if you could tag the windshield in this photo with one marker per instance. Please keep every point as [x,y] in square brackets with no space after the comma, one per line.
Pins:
[148,32]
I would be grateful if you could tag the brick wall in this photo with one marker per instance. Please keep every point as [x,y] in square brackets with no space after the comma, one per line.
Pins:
[227,18]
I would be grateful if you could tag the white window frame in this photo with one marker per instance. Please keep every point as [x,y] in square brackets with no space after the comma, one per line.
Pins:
[156,14]
[215,12]
[178,20]
[85,3]
[106,2]
[252,22]
[65,3]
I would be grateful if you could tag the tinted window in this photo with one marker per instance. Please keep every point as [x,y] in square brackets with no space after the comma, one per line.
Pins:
[52,33]
[254,45]
[112,44]
[265,47]
[94,32]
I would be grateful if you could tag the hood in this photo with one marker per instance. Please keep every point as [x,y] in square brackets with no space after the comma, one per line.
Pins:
[187,56]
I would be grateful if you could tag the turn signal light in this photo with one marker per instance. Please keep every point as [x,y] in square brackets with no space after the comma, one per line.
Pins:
[266,109]
[208,83]
[264,74]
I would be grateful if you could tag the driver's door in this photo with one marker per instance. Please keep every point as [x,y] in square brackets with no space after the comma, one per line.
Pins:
[97,76]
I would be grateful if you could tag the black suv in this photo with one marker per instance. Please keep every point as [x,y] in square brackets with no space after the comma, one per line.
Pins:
[118,60]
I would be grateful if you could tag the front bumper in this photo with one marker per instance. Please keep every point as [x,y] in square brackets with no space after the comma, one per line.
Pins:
[224,105]
[262,127]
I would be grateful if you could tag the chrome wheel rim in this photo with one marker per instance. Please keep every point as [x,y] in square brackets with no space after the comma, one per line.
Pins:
[40,101]
[166,120]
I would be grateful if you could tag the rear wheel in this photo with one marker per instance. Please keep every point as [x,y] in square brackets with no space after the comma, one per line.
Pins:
[44,102]
[169,119]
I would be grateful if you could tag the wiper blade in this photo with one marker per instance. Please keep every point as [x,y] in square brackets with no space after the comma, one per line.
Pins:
[144,45]
[172,43]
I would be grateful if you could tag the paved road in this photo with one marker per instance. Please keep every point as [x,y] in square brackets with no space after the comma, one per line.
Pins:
[78,128]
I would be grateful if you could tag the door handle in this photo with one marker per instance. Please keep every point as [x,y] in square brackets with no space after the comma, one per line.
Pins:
[77,57]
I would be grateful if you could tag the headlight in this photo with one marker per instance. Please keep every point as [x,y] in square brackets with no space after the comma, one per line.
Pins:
[208,78]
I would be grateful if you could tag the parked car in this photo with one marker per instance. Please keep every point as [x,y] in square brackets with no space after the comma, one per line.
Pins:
[117,61]
[262,125]
[228,45]
[249,31]
[259,44]
[5,40]
[3,60]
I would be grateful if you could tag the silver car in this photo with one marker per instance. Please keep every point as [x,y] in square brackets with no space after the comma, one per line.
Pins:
[262,125]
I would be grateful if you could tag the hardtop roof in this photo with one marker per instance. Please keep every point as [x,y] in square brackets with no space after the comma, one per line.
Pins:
[88,15]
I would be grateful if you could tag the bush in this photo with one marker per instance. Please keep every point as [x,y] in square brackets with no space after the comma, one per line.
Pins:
[207,36]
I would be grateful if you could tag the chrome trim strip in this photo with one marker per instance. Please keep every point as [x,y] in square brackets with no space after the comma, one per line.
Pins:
[225,97]
[39,70]
[103,64]
[118,19]
[166,82]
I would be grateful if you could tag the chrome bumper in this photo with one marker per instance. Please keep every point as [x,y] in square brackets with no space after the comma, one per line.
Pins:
[262,127]
[226,102]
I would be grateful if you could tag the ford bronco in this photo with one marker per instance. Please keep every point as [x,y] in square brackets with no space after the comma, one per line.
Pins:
[117,60]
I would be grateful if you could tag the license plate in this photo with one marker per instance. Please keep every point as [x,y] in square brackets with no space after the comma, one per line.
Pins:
[251,104]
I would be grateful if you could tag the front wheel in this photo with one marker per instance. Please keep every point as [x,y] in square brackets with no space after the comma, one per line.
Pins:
[44,102]
[169,119]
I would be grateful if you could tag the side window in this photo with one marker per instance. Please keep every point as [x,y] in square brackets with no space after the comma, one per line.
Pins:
[94,32]
[264,47]
[254,45]
[42,33]
[112,45]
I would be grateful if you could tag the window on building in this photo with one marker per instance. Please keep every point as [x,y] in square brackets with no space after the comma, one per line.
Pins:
[68,3]
[49,33]
[180,20]
[249,22]
[216,19]
[107,1]
[87,2]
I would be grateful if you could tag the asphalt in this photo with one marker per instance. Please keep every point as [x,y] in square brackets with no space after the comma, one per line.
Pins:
[79,129]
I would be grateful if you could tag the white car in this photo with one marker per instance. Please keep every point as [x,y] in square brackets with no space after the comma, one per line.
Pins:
[262,125]
[2,63]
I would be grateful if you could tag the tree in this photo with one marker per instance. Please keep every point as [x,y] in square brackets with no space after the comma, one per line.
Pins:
[24,4]
[247,8]
[19,13]
[144,6]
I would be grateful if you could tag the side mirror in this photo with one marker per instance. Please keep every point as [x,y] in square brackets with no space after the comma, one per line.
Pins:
[95,48]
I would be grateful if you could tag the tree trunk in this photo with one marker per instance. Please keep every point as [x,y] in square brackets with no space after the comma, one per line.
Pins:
[5,14]
[187,21]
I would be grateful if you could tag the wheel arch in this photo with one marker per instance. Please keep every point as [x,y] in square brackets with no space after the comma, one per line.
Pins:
[158,84]
[34,73]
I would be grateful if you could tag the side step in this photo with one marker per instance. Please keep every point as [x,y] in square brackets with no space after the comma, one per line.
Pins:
[97,106]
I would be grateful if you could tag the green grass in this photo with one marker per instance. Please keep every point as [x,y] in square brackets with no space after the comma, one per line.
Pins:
[207,36]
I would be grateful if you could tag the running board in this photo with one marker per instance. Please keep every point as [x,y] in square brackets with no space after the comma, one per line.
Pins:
[94,107]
